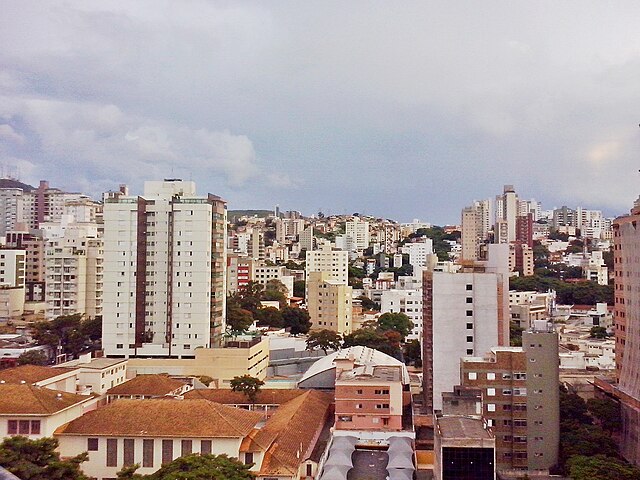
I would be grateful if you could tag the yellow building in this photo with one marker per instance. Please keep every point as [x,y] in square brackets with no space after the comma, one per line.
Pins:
[329,303]
[238,357]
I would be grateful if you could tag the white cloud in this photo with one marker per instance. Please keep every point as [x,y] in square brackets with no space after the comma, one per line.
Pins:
[7,132]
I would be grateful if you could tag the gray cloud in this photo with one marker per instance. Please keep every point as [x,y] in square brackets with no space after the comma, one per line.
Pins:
[408,110]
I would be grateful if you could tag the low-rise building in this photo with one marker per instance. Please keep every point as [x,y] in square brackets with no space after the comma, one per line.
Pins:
[36,412]
[148,386]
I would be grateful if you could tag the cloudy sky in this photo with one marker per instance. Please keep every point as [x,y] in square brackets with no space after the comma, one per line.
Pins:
[397,109]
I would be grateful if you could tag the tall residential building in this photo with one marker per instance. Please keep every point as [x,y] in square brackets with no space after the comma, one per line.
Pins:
[74,278]
[418,253]
[408,302]
[306,240]
[164,275]
[464,313]
[358,230]
[564,217]
[507,212]
[11,209]
[34,245]
[12,283]
[475,226]
[329,260]
[627,327]
[520,398]
[329,303]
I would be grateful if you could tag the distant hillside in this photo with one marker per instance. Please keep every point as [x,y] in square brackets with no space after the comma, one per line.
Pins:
[10,183]
[231,214]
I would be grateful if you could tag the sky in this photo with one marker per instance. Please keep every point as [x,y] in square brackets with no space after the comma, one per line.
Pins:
[393,109]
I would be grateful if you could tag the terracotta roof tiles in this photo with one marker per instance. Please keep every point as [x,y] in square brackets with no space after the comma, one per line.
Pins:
[164,418]
[29,400]
[269,396]
[148,385]
[31,373]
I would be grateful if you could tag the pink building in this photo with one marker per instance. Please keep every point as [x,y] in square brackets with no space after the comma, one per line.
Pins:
[368,397]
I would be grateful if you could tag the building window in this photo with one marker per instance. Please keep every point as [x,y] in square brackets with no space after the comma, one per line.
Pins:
[469,287]
[186,447]
[23,427]
[205,447]
[128,451]
[382,405]
[469,326]
[491,376]
[358,406]
[469,338]
[385,421]
[112,452]
[472,376]
[469,300]
[147,452]
[248,458]
[167,451]
[92,444]
[469,351]
[469,314]
[491,392]
[491,407]
[12,427]
[345,418]
[359,392]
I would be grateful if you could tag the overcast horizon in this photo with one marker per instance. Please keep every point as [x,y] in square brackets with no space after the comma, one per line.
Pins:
[409,110]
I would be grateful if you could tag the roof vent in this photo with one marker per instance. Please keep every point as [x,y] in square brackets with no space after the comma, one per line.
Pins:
[2,381]
[22,382]
[58,396]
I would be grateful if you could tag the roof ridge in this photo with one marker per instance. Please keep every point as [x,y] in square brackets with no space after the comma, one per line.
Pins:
[44,407]
[216,407]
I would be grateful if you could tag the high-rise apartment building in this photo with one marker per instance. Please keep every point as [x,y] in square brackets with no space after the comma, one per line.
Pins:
[329,260]
[507,212]
[329,303]
[463,314]
[408,302]
[520,398]
[475,226]
[74,273]
[164,275]
[627,327]
[358,230]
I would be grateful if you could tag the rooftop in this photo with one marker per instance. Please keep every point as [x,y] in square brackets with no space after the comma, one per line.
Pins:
[94,363]
[150,385]
[268,396]
[372,373]
[458,426]
[29,400]
[31,373]
[288,436]
[164,418]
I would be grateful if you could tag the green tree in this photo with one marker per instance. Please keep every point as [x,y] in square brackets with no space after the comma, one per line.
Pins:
[598,332]
[33,357]
[515,334]
[324,340]
[70,332]
[38,460]
[92,328]
[273,291]
[372,338]
[413,353]
[601,467]
[606,412]
[269,317]
[248,385]
[238,319]
[397,322]
[299,287]
[296,319]
[194,467]
[368,304]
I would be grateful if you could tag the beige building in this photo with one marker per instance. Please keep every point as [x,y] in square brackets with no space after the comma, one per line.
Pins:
[74,280]
[238,357]
[331,261]
[329,303]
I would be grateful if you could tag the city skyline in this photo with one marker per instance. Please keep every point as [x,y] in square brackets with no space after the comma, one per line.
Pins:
[327,107]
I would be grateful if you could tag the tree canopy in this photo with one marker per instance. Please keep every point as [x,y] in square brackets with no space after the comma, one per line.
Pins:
[71,332]
[296,320]
[248,385]
[38,460]
[581,293]
[601,467]
[33,357]
[194,467]
[324,340]
[397,322]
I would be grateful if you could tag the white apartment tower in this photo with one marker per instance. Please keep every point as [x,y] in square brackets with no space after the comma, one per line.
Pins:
[506,214]
[358,230]
[165,258]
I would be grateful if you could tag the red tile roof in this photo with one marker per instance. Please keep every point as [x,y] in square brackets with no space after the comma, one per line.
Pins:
[29,400]
[290,434]
[148,385]
[164,418]
[268,396]
[31,373]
